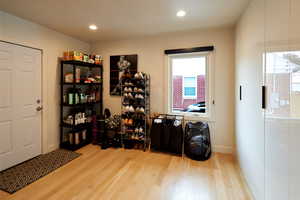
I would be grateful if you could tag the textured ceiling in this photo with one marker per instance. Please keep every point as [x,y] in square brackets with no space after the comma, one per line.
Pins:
[121,19]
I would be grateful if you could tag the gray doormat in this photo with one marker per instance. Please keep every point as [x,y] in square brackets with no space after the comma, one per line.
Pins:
[17,177]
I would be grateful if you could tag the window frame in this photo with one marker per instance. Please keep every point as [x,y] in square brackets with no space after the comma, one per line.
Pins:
[209,89]
[183,86]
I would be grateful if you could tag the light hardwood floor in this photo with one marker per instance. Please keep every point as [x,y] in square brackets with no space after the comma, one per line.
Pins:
[137,175]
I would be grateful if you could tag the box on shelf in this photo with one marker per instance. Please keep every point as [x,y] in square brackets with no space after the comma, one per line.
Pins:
[69,78]
[73,55]
[78,56]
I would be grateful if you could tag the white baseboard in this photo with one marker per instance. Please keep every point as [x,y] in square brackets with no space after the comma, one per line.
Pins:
[246,183]
[52,148]
[223,149]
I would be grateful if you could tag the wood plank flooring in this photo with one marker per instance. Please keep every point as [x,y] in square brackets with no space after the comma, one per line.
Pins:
[137,175]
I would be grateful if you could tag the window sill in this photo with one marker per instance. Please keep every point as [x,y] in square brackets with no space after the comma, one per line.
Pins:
[189,97]
[194,116]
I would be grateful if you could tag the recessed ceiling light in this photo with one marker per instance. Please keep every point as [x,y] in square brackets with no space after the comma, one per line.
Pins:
[93,27]
[181,13]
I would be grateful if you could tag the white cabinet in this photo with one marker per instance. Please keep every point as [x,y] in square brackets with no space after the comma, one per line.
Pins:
[268,53]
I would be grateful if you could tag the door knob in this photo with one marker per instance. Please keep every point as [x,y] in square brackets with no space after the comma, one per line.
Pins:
[39,108]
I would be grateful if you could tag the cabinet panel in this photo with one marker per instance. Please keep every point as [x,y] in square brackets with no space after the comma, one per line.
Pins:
[249,113]
[294,122]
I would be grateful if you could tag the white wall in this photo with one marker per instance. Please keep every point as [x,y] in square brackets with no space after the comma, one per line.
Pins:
[151,60]
[20,31]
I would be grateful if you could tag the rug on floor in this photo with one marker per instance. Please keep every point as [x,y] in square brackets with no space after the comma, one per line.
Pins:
[17,177]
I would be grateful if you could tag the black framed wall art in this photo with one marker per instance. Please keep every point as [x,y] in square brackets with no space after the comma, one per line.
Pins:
[118,66]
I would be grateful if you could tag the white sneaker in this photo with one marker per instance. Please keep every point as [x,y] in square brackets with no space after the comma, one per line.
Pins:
[131,109]
[142,110]
[129,89]
[135,89]
[125,89]
[125,95]
[141,96]
[130,95]
[137,109]
[141,130]
[140,90]
[136,75]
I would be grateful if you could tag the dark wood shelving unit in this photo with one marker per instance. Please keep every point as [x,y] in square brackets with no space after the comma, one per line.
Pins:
[81,83]
[95,107]
[81,104]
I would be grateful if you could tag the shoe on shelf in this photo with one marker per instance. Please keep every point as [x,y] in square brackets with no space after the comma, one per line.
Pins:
[125,89]
[136,76]
[137,109]
[141,75]
[141,130]
[135,89]
[130,96]
[130,122]
[131,109]
[125,95]
[140,90]
[142,110]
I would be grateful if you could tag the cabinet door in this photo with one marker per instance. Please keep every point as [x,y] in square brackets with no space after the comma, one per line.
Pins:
[277,81]
[249,113]
[294,121]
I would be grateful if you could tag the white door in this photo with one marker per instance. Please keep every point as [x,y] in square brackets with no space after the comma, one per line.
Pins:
[20,97]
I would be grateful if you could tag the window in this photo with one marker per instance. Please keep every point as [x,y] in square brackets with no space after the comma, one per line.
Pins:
[189,87]
[188,83]
[283,83]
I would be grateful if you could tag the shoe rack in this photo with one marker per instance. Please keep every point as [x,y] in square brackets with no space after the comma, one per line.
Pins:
[135,110]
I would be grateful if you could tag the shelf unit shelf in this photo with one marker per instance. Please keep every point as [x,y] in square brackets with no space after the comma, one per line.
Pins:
[80,63]
[81,104]
[77,126]
[67,130]
[81,83]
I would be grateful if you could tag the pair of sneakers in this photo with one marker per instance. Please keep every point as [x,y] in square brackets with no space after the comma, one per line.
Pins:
[128,95]
[136,137]
[140,110]
[139,130]
[127,89]
[139,96]
[128,122]
[128,84]
[139,75]
[128,108]
[140,90]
